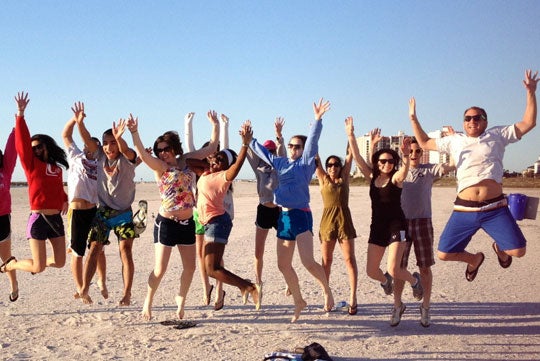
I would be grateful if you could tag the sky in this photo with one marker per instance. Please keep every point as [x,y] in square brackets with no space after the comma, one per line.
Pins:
[258,60]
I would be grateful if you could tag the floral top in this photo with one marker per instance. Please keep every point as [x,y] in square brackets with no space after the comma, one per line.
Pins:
[176,189]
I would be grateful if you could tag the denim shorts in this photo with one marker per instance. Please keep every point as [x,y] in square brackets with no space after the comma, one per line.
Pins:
[218,229]
[293,222]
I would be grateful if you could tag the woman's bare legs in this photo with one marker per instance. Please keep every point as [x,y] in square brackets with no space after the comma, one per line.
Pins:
[39,256]
[5,254]
[199,243]
[162,255]
[260,242]
[327,256]
[373,266]
[188,255]
[305,250]
[285,252]
[347,248]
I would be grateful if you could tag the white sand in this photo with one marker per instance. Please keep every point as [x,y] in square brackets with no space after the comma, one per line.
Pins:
[496,317]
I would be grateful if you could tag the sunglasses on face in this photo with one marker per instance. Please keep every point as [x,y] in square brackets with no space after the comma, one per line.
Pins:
[416,151]
[384,161]
[37,147]
[332,165]
[476,118]
[294,146]
[166,149]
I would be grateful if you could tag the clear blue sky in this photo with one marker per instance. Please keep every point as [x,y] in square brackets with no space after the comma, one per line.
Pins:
[261,59]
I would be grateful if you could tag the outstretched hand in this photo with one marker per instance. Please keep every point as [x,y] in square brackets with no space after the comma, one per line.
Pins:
[78,112]
[212,117]
[412,108]
[22,101]
[320,108]
[118,129]
[189,116]
[224,119]
[349,126]
[406,146]
[278,125]
[375,135]
[132,124]
[246,132]
[530,80]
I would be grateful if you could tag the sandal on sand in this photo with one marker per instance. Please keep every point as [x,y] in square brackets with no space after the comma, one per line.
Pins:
[353,310]
[220,303]
[14,296]
[179,324]
[471,275]
[4,265]
[503,264]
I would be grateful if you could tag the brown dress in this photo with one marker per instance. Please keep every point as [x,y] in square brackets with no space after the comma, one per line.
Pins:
[336,220]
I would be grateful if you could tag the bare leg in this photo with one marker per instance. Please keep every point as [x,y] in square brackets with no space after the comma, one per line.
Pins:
[199,242]
[285,252]
[102,274]
[188,255]
[327,253]
[77,272]
[427,281]
[473,260]
[373,265]
[162,254]
[347,247]
[5,254]
[37,263]
[58,258]
[395,254]
[90,266]
[128,269]
[260,241]
[305,250]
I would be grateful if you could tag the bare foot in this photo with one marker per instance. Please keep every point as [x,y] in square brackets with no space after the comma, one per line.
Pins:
[297,309]
[146,313]
[103,289]
[328,301]
[76,295]
[125,301]
[256,296]
[85,297]
[180,301]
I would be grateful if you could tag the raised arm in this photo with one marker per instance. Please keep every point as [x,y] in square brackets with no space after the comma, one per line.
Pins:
[23,144]
[528,121]
[319,170]
[10,155]
[79,116]
[157,165]
[188,132]
[401,174]
[281,151]
[423,139]
[346,170]
[224,132]
[374,139]
[67,133]
[118,131]
[246,132]
[360,162]
[212,146]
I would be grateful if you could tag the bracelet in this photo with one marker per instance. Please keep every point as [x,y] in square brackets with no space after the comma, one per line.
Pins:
[279,138]
[245,145]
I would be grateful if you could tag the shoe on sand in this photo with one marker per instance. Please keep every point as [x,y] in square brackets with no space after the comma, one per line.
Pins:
[396,315]
[388,287]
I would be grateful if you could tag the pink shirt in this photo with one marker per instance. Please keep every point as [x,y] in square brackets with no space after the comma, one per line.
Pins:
[10,159]
[212,188]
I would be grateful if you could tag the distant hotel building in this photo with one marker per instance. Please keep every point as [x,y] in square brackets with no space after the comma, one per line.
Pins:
[394,142]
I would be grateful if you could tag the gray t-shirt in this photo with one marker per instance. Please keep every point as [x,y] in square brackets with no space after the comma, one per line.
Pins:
[116,189]
[416,194]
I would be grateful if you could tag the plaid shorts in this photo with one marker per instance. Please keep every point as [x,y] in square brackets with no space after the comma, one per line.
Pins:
[420,230]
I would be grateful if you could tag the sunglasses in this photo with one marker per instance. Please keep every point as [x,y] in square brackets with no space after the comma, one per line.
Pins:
[37,147]
[476,118]
[294,146]
[390,161]
[331,165]
[166,149]
[416,151]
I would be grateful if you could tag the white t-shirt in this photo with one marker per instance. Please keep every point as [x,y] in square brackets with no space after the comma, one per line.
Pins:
[82,176]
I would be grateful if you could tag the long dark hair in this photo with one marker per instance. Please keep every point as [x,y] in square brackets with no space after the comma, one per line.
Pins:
[172,139]
[375,161]
[55,154]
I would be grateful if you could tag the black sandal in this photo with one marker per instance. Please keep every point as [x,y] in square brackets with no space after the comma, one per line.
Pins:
[353,310]
[3,266]
[503,264]
[471,275]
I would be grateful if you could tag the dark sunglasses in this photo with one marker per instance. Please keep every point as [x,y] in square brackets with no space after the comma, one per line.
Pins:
[384,161]
[166,149]
[294,146]
[37,147]
[476,118]
[417,151]
[330,165]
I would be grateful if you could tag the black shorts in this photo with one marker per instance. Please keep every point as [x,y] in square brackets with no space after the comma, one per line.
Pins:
[173,233]
[5,227]
[79,222]
[267,217]
[42,227]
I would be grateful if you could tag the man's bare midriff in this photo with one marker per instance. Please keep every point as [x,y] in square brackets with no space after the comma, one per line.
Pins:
[79,203]
[480,192]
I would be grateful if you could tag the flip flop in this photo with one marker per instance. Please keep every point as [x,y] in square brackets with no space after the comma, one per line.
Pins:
[353,310]
[185,324]
[3,266]
[139,218]
[14,296]
[471,275]
[208,295]
[503,264]
[219,304]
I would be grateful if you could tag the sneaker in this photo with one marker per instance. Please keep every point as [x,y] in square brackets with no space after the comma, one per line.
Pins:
[424,316]
[396,315]
[417,289]
[388,287]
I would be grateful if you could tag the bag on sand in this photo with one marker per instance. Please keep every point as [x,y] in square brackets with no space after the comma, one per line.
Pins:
[315,352]
[139,218]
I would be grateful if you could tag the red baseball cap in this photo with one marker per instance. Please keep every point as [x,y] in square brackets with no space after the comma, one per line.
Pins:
[270,145]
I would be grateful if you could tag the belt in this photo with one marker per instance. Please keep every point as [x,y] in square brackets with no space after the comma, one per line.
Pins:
[488,207]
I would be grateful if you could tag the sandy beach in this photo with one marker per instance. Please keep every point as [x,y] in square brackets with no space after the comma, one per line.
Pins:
[496,317]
